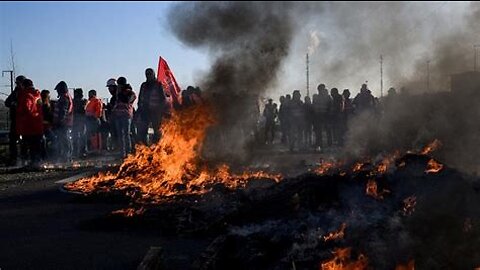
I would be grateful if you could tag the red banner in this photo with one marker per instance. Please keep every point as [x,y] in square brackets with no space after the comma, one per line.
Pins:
[170,85]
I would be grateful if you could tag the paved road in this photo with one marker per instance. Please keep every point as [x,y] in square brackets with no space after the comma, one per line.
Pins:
[43,228]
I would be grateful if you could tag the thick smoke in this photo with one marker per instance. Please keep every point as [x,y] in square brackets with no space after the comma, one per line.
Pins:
[248,42]
[257,47]
[410,119]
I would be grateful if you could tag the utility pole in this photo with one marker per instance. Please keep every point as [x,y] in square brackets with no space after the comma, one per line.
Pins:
[11,78]
[381,75]
[12,58]
[428,75]
[308,78]
[475,47]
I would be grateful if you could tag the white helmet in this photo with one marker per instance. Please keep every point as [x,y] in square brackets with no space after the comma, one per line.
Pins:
[111,82]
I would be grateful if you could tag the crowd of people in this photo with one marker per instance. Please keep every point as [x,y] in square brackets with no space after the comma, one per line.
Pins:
[317,123]
[66,128]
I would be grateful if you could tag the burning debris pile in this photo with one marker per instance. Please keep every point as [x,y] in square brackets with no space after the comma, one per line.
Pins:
[395,212]
[365,216]
[172,167]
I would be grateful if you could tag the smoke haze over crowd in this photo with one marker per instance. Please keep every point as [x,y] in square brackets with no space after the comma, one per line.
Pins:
[258,50]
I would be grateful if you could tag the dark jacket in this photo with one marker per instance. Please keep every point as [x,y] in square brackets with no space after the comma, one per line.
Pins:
[47,116]
[270,112]
[337,104]
[363,102]
[11,103]
[146,90]
[124,103]
[63,111]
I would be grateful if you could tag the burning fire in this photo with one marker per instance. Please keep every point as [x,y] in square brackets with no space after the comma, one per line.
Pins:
[409,266]
[433,166]
[383,166]
[372,190]
[342,261]
[325,167]
[171,167]
[357,167]
[431,147]
[336,235]
[129,212]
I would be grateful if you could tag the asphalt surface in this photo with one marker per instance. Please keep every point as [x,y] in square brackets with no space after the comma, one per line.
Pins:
[44,228]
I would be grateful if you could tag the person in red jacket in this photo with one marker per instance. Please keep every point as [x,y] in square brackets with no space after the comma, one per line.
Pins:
[93,112]
[29,120]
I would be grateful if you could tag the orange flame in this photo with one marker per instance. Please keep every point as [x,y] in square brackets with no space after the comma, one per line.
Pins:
[372,190]
[409,266]
[336,235]
[431,147]
[171,167]
[341,261]
[129,212]
[325,167]
[433,166]
[357,167]
[383,166]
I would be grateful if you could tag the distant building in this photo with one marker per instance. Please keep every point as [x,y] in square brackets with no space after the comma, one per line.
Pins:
[467,82]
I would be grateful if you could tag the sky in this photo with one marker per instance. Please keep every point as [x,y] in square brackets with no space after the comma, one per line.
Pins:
[86,43]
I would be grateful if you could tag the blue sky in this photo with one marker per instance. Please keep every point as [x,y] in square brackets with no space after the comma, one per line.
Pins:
[85,43]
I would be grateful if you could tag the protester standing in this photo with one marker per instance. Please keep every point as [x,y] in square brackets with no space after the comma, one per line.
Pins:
[79,127]
[151,107]
[62,122]
[11,102]
[123,114]
[93,113]
[29,121]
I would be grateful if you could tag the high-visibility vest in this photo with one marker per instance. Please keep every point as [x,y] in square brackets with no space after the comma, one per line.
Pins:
[94,108]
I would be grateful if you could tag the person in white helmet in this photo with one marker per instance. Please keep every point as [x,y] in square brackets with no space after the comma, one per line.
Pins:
[110,124]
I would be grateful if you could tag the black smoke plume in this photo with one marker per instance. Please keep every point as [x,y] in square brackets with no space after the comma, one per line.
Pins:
[248,42]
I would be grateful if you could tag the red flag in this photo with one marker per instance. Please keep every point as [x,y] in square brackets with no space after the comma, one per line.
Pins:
[170,85]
